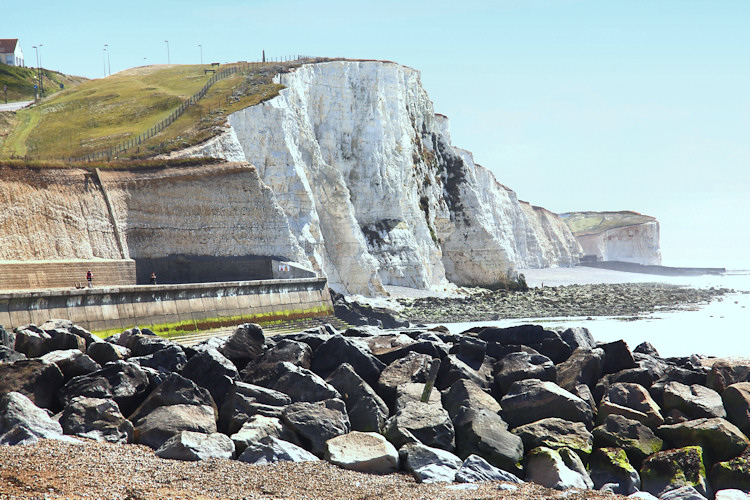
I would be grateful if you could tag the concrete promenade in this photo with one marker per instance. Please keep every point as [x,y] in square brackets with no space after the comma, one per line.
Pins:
[121,307]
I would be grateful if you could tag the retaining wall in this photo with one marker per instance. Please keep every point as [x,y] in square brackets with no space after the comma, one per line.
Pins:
[34,274]
[107,308]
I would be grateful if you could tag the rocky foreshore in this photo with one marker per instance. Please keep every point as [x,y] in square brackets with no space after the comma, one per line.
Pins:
[510,407]
[618,299]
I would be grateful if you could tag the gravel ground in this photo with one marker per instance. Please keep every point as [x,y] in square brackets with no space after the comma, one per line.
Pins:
[54,469]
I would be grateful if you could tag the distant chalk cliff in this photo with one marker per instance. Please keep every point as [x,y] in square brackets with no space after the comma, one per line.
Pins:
[616,236]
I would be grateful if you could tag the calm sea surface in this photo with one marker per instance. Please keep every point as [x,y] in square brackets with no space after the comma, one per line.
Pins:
[721,328]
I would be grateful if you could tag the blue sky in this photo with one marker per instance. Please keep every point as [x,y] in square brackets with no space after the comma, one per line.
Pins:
[576,104]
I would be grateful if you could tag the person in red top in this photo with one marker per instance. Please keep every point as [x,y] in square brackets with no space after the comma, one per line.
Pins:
[89,278]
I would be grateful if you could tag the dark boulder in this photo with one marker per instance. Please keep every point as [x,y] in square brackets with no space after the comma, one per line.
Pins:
[174,390]
[522,366]
[578,337]
[531,400]
[414,367]
[315,423]
[453,368]
[672,469]
[723,373]
[475,469]
[610,469]
[584,366]
[367,411]
[484,433]
[426,423]
[32,341]
[736,400]
[104,352]
[638,440]
[244,345]
[695,401]
[127,383]
[339,349]
[194,446]
[719,439]
[210,369]
[617,356]
[170,359]
[732,474]
[97,419]
[156,427]
[34,378]
[467,393]
[556,433]
[285,350]
[428,464]
[271,450]
[71,362]
[8,355]
[546,342]
[22,421]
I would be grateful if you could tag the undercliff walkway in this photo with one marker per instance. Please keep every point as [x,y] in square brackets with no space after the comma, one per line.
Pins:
[190,339]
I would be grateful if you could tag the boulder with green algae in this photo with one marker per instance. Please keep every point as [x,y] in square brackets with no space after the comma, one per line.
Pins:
[610,466]
[720,439]
[556,433]
[672,469]
[636,439]
[732,474]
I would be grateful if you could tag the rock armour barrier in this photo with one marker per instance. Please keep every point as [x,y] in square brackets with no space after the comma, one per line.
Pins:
[122,307]
[553,407]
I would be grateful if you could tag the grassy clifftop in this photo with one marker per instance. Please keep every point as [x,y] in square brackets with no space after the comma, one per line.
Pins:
[581,223]
[20,82]
[100,114]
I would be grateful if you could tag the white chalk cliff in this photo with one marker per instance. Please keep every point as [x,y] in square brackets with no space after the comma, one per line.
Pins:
[375,193]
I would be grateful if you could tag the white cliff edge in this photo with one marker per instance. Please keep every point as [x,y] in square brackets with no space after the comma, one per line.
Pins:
[374,192]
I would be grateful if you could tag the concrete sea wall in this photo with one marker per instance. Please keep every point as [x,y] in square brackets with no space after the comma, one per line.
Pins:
[99,309]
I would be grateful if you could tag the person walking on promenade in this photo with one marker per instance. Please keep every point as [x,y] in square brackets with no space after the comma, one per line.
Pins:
[90,278]
[153,278]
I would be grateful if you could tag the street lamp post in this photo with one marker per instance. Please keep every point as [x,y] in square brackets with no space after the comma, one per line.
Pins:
[201,47]
[167,42]
[41,80]
[36,50]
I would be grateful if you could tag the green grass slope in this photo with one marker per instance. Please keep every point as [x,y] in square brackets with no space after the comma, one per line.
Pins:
[20,82]
[581,223]
[100,114]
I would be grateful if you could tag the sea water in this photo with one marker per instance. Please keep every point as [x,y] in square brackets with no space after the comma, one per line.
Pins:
[720,328]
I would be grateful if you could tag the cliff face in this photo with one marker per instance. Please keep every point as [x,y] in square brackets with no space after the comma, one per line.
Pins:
[209,212]
[54,214]
[617,236]
[373,189]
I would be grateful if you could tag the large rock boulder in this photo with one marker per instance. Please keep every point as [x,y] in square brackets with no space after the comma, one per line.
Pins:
[367,411]
[672,469]
[695,401]
[412,368]
[285,350]
[475,469]
[244,345]
[97,419]
[299,384]
[578,337]
[72,362]
[170,359]
[426,423]
[617,357]
[736,399]
[723,373]
[363,452]
[8,355]
[194,446]
[174,390]
[636,439]
[584,366]
[546,342]
[271,450]
[245,400]
[468,394]
[429,465]
[556,433]
[145,345]
[258,427]
[732,474]
[632,401]
[558,469]
[454,368]
[32,341]
[610,469]
[156,427]
[482,432]
[104,352]
[34,378]
[719,439]
[19,415]
[210,369]
[522,366]
[531,400]
[339,349]
[125,382]
[315,423]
